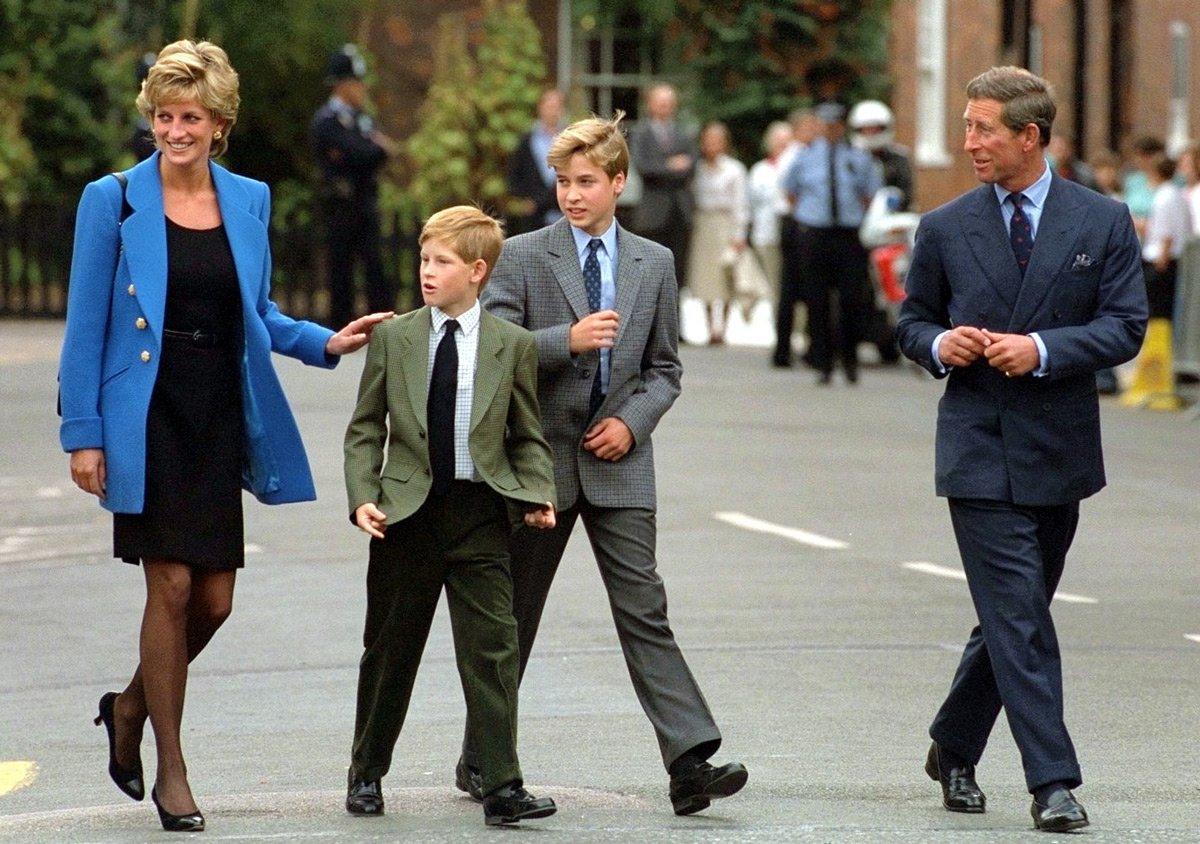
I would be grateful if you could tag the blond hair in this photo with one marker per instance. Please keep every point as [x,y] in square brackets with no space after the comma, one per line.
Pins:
[599,141]
[472,234]
[187,70]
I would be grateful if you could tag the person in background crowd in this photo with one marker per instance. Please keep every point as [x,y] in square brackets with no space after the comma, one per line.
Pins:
[1168,227]
[530,178]
[350,151]
[831,184]
[768,204]
[873,126]
[1138,193]
[1061,154]
[665,158]
[1189,169]
[1106,171]
[141,141]
[805,128]
[719,229]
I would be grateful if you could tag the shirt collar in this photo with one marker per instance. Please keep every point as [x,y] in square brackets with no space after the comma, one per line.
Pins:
[338,104]
[467,321]
[1034,194]
[609,239]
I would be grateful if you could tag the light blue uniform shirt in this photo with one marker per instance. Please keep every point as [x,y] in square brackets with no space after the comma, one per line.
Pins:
[1033,200]
[607,256]
[807,179]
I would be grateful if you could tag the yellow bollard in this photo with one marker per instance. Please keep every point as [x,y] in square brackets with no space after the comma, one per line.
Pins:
[1153,383]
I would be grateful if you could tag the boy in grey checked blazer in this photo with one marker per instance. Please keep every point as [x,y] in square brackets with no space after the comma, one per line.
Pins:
[625,338]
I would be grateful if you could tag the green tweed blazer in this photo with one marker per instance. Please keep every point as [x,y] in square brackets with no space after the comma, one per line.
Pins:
[506,439]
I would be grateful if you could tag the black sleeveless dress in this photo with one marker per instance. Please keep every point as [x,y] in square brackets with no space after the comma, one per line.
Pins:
[194,430]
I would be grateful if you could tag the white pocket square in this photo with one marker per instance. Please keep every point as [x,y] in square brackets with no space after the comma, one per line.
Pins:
[1083,261]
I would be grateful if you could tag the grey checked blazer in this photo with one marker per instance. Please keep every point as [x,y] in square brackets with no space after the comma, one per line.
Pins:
[538,284]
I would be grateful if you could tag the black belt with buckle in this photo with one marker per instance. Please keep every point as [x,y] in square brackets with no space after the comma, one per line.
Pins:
[197,338]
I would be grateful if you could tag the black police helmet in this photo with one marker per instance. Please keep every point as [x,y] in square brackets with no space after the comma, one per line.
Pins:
[345,63]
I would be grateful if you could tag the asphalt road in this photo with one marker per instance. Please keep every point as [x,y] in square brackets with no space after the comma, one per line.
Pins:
[788,517]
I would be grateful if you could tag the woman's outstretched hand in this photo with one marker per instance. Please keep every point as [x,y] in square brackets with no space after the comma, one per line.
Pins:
[355,335]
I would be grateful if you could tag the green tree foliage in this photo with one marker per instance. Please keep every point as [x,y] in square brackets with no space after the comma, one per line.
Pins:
[63,82]
[477,108]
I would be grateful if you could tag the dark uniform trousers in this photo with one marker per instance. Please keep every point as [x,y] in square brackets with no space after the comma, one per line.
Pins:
[458,541]
[1013,557]
[793,266]
[352,234]
[836,261]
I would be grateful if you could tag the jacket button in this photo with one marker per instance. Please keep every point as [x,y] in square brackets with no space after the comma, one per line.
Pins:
[584,373]
[1046,406]
[131,290]
[427,473]
[421,435]
[145,356]
[140,322]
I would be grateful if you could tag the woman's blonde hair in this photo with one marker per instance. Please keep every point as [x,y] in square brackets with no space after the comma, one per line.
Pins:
[187,70]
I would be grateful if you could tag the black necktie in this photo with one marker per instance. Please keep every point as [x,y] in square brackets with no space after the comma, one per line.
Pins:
[833,188]
[443,394]
[1020,233]
[591,283]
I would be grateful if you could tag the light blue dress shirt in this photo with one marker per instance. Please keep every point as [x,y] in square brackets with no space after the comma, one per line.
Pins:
[807,179]
[606,255]
[1033,200]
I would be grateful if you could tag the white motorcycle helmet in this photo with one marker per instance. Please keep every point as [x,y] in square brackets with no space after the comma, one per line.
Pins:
[872,125]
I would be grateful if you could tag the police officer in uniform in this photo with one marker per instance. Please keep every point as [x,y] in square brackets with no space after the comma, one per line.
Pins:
[141,140]
[349,151]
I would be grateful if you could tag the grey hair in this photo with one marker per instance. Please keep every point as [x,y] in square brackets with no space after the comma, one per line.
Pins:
[1024,98]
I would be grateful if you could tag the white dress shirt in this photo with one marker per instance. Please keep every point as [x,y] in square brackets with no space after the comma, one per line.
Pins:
[1169,218]
[721,186]
[767,202]
[466,340]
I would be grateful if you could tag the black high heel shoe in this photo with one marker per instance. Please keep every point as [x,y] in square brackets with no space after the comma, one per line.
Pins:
[129,780]
[191,822]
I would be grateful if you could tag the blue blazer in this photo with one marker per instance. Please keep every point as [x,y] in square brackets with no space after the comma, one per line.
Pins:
[1033,441]
[113,339]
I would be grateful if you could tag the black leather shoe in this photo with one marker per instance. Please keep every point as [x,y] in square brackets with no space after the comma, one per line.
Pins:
[191,822]
[364,798]
[960,792]
[694,790]
[511,803]
[1062,814]
[469,780]
[129,780]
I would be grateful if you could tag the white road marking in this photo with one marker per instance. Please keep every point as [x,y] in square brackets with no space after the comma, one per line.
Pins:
[958,574]
[814,540]
[1192,636]
[50,492]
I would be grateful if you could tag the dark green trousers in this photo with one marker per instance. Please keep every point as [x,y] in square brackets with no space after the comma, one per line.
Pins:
[458,541]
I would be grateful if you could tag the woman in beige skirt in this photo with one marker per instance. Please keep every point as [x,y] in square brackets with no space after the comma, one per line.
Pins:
[719,227]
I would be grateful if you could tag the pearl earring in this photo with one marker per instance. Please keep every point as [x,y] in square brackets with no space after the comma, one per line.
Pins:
[217,135]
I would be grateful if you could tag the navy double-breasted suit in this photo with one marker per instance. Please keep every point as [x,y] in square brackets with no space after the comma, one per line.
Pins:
[1016,455]
[113,339]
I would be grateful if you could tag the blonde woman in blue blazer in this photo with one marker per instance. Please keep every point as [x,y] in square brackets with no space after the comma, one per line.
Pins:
[170,402]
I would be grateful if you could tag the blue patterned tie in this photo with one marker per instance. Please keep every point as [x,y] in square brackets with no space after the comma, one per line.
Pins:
[1020,233]
[591,283]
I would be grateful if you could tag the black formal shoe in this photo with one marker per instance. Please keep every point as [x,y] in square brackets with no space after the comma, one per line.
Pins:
[469,780]
[191,822]
[1062,814]
[851,374]
[129,780]
[960,792]
[364,798]
[781,363]
[511,803]
[693,790]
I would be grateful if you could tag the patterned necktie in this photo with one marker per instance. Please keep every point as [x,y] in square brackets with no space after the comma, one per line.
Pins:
[591,283]
[1020,233]
[833,186]
[443,394]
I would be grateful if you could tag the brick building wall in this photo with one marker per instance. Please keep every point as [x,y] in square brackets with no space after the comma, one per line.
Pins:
[974,42]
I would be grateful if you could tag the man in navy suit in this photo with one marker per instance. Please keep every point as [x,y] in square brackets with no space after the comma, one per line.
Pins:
[1019,291]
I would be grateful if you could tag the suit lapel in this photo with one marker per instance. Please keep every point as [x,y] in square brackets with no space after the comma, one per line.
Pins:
[488,367]
[144,242]
[988,239]
[246,233]
[564,261]
[1058,229]
[628,279]
[414,363]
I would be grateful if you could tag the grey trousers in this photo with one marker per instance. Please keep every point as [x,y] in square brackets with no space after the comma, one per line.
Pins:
[623,541]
